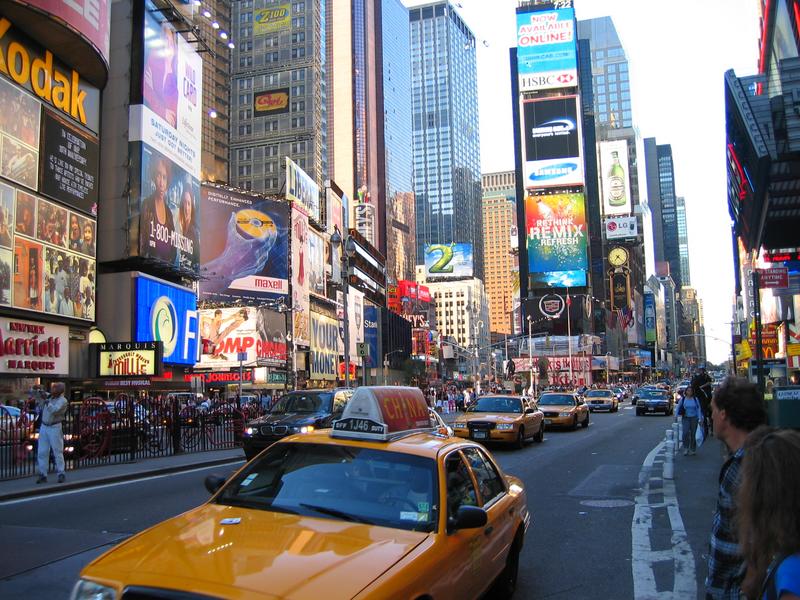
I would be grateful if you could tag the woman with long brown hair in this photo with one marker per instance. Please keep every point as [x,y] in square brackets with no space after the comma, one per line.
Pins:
[768,516]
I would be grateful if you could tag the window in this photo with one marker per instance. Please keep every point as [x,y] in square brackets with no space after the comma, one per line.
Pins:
[245,170]
[298,122]
[300,36]
[299,75]
[298,90]
[245,154]
[245,130]
[298,22]
[246,31]
[270,150]
[246,84]
[298,7]
[298,106]
[298,52]
[271,126]
[489,481]
[246,17]
[460,490]
[271,57]
[245,114]
[246,46]
[244,99]
[298,148]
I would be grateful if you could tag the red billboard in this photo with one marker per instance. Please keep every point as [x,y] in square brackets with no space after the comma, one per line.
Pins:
[89,18]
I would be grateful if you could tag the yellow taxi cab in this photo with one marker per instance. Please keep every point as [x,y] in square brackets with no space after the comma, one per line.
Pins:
[563,409]
[381,506]
[501,418]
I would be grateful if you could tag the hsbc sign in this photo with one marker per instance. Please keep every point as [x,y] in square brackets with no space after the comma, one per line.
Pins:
[546,81]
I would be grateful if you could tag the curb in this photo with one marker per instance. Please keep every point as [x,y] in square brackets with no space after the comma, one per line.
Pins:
[62,487]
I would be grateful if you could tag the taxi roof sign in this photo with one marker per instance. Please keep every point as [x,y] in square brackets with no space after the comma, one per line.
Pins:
[382,413]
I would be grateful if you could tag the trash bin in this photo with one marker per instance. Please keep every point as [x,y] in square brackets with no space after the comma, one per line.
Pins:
[784,407]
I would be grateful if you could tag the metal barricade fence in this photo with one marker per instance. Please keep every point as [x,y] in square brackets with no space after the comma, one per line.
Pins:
[102,432]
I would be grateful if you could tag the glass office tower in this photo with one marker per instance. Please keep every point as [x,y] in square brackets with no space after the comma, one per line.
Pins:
[446,144]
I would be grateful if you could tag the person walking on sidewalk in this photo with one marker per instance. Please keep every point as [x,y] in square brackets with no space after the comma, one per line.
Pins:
[737,408]
[690,412]
[53,410]
[769,522]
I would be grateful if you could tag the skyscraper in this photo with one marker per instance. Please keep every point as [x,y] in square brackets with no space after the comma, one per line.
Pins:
[444,93]
[502,268]
[370,124]
[278,92]
[683,240]
[662,198]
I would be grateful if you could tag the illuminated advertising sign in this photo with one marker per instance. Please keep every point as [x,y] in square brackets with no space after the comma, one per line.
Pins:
[70,164]
[556,240]
[371,335]
[554,173]
[19,153]
[38,71]
[245,250]
[168,314]
[316,263]
[271,20]
[258,332]
[301,188]
[614,177]
[273,102]
[448,261]
[28,348]
[90,18]
[126,359]
[335,212]
[619,228]
[551,130]
[300,274]
[546,52]
[325,347]
[649,318]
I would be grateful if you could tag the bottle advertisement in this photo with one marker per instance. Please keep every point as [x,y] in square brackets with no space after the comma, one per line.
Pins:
[615,176]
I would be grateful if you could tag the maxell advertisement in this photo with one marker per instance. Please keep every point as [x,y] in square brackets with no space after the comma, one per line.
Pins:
[245,251]
[546,52]
[258,332]
[448,261]
[301,188]
[325,347]
[556,240]
[551,130]
[300,275]
[620,228]
[614,176]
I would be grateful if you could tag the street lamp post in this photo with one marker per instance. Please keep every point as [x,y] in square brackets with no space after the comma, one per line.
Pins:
[530,353]
[347,247]
[608,359]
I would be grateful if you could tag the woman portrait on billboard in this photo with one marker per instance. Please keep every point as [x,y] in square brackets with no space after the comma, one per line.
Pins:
[157,226]
[187,223]
[160,81]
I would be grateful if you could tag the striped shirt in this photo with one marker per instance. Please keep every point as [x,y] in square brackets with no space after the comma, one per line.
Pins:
[725,562]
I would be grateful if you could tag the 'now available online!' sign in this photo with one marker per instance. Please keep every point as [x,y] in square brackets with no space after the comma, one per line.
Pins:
[33,348]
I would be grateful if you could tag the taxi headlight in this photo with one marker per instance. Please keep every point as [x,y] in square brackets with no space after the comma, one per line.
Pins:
[564,414]
[89,590]
[459,425]
[505,426]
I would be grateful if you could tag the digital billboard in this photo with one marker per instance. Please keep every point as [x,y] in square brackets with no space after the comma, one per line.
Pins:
[551,129]
[168,314]
[245,251]
[300,274]
[649,318]
[546,52]
[316,263]
[448,261]
[272,102]
[258,332]
[618,228]
[301,188]
[371,335]
[555,226]
[614,177]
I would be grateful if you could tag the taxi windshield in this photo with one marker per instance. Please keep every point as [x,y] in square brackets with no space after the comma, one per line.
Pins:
[598,394]
[653,394]
[556,400]
[303,402]
[497,405]
[345,483]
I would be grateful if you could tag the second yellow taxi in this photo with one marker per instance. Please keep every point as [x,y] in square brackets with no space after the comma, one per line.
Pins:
[500,418]
[563,410]
[382,506]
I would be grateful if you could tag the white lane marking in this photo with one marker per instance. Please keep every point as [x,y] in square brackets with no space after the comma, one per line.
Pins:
[644,558]
[116,483]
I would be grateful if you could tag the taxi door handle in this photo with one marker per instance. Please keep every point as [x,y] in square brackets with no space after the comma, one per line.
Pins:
[488,530]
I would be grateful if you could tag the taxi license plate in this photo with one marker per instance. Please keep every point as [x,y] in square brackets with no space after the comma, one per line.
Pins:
[479,435]
[651,409]
[548,421]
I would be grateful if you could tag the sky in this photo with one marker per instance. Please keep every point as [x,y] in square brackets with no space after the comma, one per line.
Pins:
[678,53]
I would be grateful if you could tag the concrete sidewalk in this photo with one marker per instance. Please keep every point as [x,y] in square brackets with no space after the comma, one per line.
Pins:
[89,476]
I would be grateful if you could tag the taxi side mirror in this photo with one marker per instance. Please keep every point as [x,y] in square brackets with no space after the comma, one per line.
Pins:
[467,517]
[213,483]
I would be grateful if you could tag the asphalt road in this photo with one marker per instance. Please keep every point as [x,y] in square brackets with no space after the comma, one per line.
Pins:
[585,491]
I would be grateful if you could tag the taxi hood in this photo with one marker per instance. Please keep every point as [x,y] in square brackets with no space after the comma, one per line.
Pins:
[266,554]
[490,416]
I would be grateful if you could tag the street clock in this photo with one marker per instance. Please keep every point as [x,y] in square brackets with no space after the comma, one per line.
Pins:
[618,256]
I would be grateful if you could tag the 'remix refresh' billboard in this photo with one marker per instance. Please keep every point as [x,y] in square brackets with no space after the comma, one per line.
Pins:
[555,226]
[546,51]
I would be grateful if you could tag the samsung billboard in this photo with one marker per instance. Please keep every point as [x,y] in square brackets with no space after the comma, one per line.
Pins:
[551,140]
[546,52]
